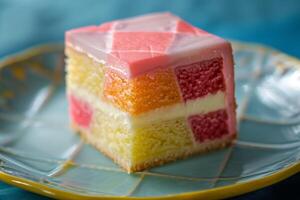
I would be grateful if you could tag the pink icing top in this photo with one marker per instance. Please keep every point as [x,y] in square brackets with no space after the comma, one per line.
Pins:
[137,45]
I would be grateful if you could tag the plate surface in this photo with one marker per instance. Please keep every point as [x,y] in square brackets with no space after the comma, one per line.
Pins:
[39,152]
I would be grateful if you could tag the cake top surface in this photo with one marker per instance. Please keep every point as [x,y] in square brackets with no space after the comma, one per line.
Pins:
[137,45]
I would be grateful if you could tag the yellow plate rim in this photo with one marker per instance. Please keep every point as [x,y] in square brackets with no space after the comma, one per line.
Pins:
[213,193]
[209,194]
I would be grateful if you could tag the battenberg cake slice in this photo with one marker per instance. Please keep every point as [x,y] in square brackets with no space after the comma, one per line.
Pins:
[150,89]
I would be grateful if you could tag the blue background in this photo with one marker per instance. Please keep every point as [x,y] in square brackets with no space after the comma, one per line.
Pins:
[24,23]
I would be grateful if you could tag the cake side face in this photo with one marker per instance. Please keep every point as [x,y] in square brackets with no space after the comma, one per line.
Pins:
[146,95]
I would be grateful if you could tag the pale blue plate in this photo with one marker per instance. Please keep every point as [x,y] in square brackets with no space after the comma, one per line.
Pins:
[39,152]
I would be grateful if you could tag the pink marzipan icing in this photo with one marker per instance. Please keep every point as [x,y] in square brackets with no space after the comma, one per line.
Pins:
[136,45]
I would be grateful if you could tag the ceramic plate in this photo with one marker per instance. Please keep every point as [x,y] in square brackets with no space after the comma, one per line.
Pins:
[40,153]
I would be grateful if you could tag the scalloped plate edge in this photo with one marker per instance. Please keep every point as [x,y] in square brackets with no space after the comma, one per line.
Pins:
[210,194]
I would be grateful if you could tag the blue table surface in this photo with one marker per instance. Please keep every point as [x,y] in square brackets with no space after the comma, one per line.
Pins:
[272,22]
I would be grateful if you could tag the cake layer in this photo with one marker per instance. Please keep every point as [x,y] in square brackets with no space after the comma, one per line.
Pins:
[139,146]
[84,71]
[143,93]
[199,79]
[80,111]
[151,91]
[203,105]
[139,165]
[156,139]
[110,129]
[122,140]
[209,126]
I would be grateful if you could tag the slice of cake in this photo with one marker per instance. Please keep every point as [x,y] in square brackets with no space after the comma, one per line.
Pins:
[150,89]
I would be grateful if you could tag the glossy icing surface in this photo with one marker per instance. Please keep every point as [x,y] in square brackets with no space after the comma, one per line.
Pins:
[137,45]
